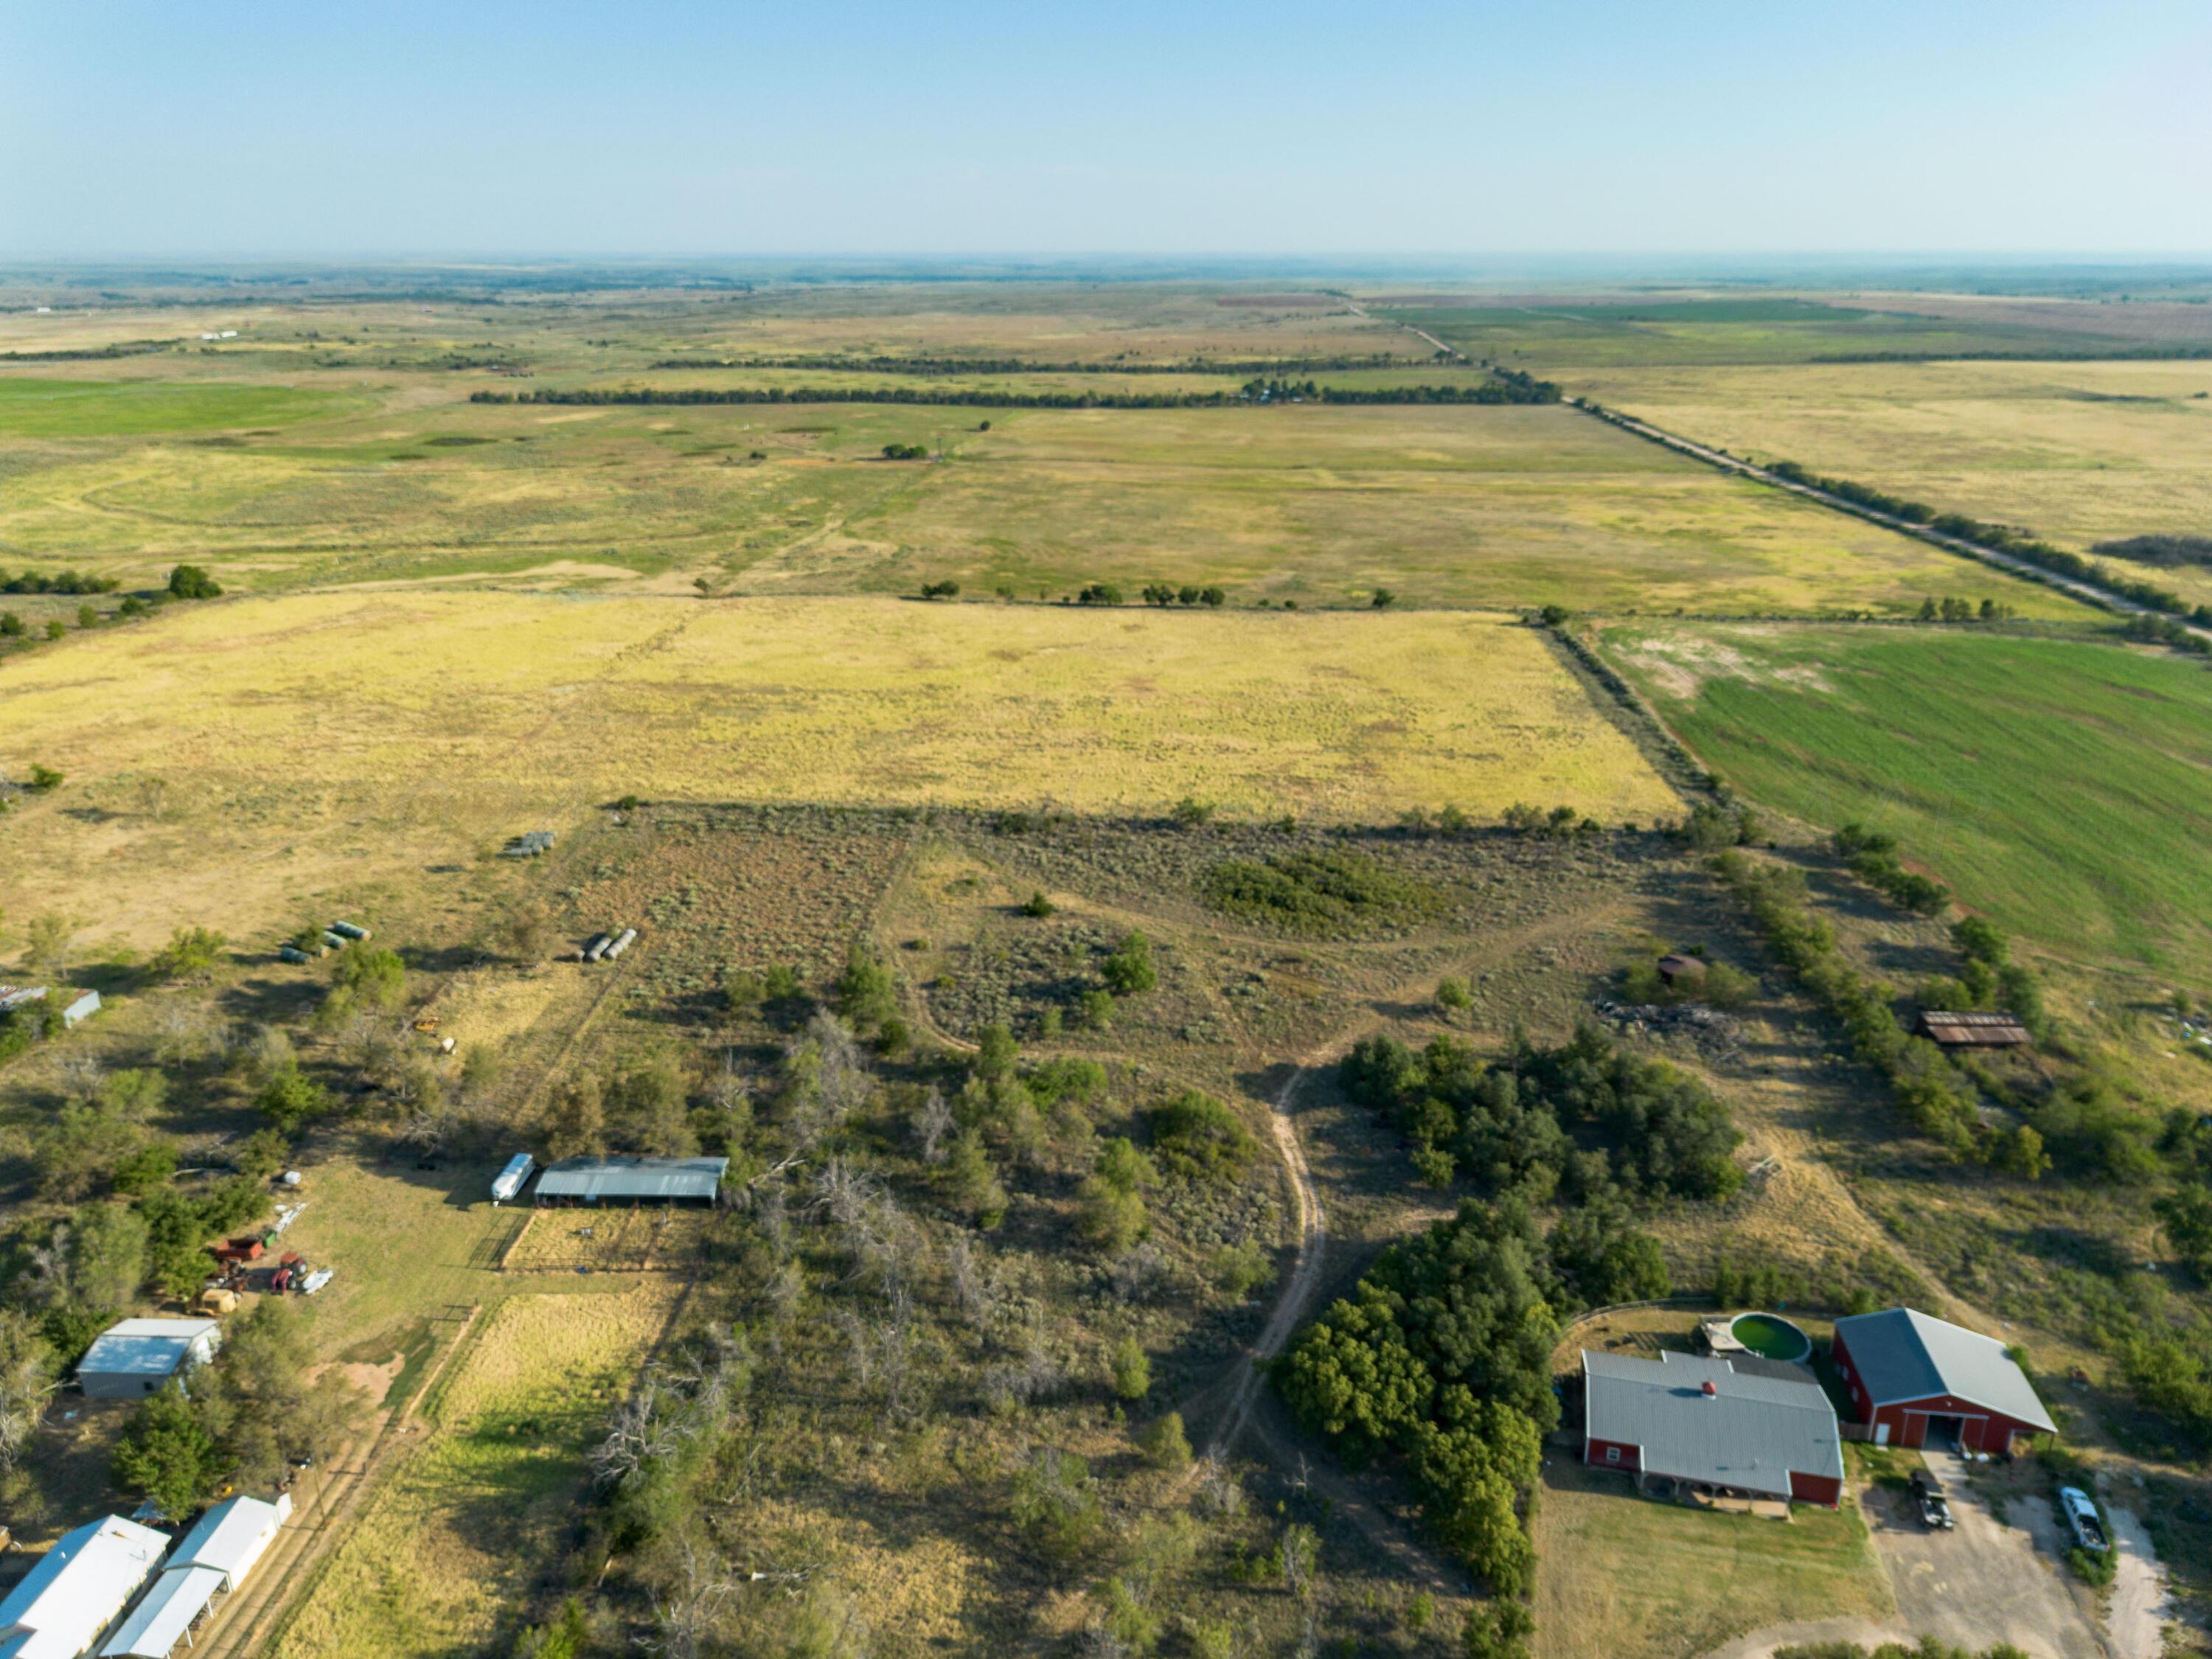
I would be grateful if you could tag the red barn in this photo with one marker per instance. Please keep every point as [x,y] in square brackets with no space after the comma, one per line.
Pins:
[1913,1378]
[1746,1427]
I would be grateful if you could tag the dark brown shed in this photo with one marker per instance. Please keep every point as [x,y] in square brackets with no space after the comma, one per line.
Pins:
[1973,1030]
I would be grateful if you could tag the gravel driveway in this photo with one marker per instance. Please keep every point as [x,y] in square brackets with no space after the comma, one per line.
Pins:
[1993,1580]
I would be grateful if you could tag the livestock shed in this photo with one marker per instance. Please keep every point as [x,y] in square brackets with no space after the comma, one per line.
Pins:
[1741,1427]
[211,1559]
[1913,1378]
[1972,1030]
[632,1181]
[136,1357]
[82,1008]
[76,1588]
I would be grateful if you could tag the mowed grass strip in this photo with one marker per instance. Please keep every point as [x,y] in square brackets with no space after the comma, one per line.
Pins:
[445,1549]
[1622,1576]
[316,739]
[2062,787]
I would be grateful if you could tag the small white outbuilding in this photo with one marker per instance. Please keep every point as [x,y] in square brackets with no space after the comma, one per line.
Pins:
[77,1588]
[135,1356]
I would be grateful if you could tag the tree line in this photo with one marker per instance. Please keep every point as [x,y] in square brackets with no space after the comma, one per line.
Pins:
[1506,386]
[882,365]
[1961,527]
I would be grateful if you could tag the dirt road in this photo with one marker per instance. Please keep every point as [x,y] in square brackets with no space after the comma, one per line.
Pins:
[2135,1616]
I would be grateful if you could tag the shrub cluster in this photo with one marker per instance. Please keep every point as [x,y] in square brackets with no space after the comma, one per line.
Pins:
[1188,594]
[1873,859]
[1512,1126]
[1317,891]
[68,581]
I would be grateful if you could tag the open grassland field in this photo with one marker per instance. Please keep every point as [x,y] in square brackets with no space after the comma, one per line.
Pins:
[2077,453]
[398,478]
[2060,788]
[1131,323]
[295,737]
[1556,333]
[1627,1578]
[440,1555]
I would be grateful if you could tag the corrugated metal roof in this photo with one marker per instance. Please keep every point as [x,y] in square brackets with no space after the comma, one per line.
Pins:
[633,1177]
[230,1537]
[1903,1354]
[143,1347]
[64,1602]
[1978,1030]
[157,1624]
[1749,1434]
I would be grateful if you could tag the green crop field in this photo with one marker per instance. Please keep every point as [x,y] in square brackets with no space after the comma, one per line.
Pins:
[41,408]
[2061,787]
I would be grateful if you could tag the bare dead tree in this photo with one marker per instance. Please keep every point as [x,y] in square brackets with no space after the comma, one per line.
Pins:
[975,1287]
[640,1433]
[687,1620]
[933,1125]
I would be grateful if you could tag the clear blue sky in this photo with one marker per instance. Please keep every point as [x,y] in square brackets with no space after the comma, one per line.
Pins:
[329,127]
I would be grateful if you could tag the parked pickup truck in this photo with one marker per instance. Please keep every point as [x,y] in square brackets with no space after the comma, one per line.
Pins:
[2082,1520]
[1935,1506]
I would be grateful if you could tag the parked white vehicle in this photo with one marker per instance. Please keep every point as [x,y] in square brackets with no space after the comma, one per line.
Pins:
[2081,1519]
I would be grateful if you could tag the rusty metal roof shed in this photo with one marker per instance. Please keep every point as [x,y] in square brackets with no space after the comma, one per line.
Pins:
[1973,1030]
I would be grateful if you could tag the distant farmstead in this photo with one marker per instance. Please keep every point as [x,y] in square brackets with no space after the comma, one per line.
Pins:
[1973,1030]
[1914,1379]
[632,1181]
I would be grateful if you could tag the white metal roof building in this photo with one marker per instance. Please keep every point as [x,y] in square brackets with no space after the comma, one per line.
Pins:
[136,1357]
[77,1588]
[631,1179]
[1746,1426]
[212,1558]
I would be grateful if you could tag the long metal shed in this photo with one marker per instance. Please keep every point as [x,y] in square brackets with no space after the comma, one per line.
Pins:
[632,1180]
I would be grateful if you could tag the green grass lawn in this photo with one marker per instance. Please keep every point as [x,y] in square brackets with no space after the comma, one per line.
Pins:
[99,408]
[2061,787]
[1622,1576]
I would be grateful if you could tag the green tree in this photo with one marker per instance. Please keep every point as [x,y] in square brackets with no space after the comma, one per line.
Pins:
[1094,1009]
[107,1257]
[1453,996]
[368,978]
[1056,1506]
[30,1371]
[1132,1368]
[1128,968]
[1109,1204]
[971,1182]
[2184,1215]
[1164,1442]
[576,1119]
[996,1053]
[257,1398]
[291,1098]
[865,989]
[167,1455]
[190,581]
[1195,1135]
